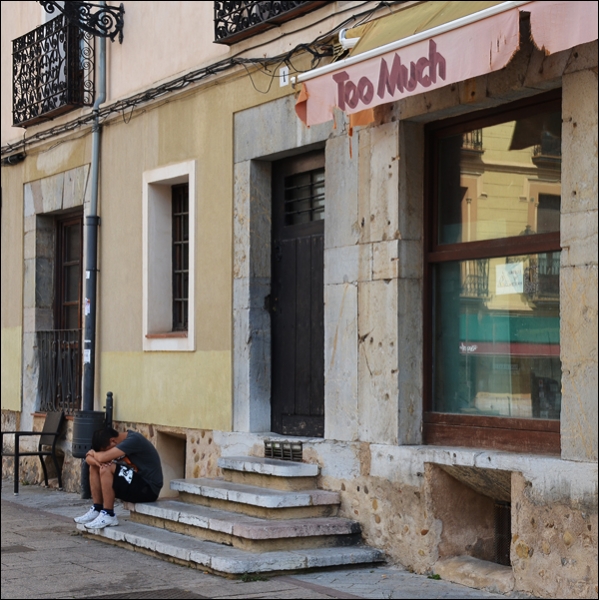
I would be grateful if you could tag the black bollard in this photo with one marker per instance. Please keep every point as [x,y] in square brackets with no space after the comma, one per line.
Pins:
[108,408]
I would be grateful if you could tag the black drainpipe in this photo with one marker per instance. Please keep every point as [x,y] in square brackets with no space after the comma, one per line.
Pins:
[92,223]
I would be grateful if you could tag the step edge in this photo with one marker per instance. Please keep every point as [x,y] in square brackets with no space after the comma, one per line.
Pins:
[254,528]
[268,466]
[302,559]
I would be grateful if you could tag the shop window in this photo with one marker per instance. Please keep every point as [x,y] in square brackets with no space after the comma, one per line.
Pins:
[493,268]
[168,258]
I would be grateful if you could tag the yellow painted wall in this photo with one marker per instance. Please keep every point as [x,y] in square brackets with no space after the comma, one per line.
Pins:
[186,389]
[11,368]
[11,276]
[11,272]
[180,389]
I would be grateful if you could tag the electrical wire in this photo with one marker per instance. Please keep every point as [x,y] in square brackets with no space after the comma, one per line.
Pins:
[318,48]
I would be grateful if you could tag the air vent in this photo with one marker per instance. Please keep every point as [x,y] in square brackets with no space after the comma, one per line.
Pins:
[291,451]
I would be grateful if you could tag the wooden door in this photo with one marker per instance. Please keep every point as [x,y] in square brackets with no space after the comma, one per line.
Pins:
[297,296]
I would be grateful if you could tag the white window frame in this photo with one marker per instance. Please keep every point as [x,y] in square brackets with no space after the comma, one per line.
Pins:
[158,334]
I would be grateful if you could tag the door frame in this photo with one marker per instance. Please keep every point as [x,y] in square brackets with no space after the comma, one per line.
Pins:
[253,157]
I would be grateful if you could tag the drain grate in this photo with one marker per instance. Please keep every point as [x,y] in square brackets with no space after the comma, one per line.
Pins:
[158,594]
[503,533]
[16,549]
[292,451]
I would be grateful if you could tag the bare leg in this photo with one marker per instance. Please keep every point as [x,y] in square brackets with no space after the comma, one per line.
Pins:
[95,484]
[106,478]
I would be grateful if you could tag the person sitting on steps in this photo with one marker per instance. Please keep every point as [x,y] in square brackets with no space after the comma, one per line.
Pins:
[121,465]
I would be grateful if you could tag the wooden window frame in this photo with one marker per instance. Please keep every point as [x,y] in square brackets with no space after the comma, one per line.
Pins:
[62,223]
[449,429]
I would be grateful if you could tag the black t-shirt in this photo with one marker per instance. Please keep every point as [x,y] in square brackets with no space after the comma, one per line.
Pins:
[145,457]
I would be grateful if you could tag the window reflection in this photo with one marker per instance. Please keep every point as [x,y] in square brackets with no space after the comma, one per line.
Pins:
[496,336]
[500,181]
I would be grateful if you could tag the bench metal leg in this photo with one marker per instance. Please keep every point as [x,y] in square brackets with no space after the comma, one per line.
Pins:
[45,470]
[16,469]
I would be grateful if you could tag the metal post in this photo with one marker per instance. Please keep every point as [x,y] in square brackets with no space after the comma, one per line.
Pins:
[108,407]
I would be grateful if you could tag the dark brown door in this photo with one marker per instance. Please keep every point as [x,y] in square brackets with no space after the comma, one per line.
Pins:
[297,296]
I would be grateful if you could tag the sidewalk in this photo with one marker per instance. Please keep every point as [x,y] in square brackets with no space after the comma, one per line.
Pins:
[43,556]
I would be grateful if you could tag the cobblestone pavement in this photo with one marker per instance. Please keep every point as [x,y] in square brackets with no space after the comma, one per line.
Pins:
[43,556]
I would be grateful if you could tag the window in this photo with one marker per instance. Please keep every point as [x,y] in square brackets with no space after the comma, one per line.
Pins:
[69,236]
[168,258]
[180,256]
[493,267]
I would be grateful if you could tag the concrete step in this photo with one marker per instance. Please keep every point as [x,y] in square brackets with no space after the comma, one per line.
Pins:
[257,501]
[268,466]
[224,559]
[243,531]
[269,472]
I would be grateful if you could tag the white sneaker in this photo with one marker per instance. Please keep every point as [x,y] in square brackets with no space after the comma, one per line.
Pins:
[88,517]
[103,520]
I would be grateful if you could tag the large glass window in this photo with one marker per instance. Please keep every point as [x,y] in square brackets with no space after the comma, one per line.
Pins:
[493,275]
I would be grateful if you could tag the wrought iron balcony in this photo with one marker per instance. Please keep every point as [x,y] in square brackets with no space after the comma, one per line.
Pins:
[59,383]
[475,279]
[548,153]
[541,278]
[235,21]
[53,68]
[473,140]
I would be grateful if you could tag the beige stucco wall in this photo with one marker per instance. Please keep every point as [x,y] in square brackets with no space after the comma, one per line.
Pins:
[177,389]
[11,276]
[161,40]
[11,368]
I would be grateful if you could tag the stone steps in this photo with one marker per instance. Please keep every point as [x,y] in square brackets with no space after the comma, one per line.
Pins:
[243,531]
[263,516]
[224,559]
[269,472]
[257,501]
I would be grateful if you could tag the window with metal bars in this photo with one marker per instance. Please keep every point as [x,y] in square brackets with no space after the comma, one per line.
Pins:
[304,197]
[180,211]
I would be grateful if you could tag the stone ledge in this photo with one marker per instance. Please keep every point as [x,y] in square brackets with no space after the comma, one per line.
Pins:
[224,559]
[254,495]
[268,466]
[244,526]
[476,573]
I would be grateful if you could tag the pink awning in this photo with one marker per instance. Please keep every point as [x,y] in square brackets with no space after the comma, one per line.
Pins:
[468,47]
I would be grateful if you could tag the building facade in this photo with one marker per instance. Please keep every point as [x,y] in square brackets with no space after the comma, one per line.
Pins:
[407,290]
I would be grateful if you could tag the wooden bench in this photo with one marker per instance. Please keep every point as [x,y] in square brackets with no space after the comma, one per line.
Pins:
[48,438]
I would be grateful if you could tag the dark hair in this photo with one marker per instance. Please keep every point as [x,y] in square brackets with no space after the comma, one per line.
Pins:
[101,438]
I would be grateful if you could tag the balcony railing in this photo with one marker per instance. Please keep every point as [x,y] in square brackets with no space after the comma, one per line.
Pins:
[53,68]
[473,140]
[59,383]
[475,279]
[541,278]
[235,21]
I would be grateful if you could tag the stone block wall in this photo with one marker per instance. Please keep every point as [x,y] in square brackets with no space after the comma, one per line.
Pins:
[578,281]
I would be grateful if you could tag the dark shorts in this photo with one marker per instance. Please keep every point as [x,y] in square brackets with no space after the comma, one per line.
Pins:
[131,487]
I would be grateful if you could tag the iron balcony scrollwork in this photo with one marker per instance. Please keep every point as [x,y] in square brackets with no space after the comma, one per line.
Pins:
[98,20]
[235,21]
[53,68]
